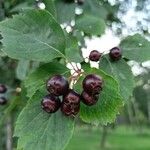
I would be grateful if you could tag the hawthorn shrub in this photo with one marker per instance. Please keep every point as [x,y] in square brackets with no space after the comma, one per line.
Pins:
[37,41]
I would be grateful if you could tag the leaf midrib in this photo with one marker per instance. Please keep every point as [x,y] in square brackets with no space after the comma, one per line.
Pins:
[29,37]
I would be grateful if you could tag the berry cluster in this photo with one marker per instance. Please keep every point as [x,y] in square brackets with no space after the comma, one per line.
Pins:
[114,54]
[3,90]
[58,86]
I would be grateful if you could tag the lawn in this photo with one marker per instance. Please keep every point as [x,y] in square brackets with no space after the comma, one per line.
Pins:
[121,138]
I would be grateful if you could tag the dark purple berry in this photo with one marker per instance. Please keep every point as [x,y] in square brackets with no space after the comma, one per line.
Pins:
[92,84]
[66,109]
[58,85]
[115,54]
[70,110]
[89,99]
[3,88]
[95,55]
[71,103]
[72,97]
[80,2]
[3,101]
[50,103]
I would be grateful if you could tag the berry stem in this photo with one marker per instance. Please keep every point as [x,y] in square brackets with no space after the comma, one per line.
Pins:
[77,67]
[73,78]
[74,68]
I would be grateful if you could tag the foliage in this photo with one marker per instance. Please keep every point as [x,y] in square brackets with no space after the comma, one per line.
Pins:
[38,41]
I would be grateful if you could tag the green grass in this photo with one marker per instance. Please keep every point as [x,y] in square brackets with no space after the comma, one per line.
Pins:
[122,138]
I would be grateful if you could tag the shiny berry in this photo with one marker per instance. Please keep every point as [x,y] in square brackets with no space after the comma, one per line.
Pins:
[3,101]
[89,99]
[80,2]
[71,103]
[115,54]
[50,103]
[92,84]
[95,55]
[3,88]
[58,85]
[70,109]
[72,97]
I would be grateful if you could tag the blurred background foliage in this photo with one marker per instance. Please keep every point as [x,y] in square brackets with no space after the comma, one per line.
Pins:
[111,14]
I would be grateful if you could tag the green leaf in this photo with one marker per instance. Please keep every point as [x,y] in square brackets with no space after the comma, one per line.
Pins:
[39,130]
[34,35]
[72,51]
[136,48]
[109,103]
[22,69]
[80,37]
[20,7]
[38,78]
[121,71]
[94,8]
[2,54]
[65,11]
[90,24]
[50,6]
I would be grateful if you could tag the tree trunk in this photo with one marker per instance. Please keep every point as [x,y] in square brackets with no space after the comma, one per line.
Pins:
[135,107]
[104,137]
[130,112]
[9,133]
[137,119]
[148,111]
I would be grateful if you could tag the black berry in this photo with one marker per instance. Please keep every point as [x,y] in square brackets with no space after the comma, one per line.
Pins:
[72,97]
[50,103]
[3,101]
[89,99]
[80,2]
[70,110]
[95,55]
[92,84]
[115,54]
[71,103]
[58,85]
[3,88]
